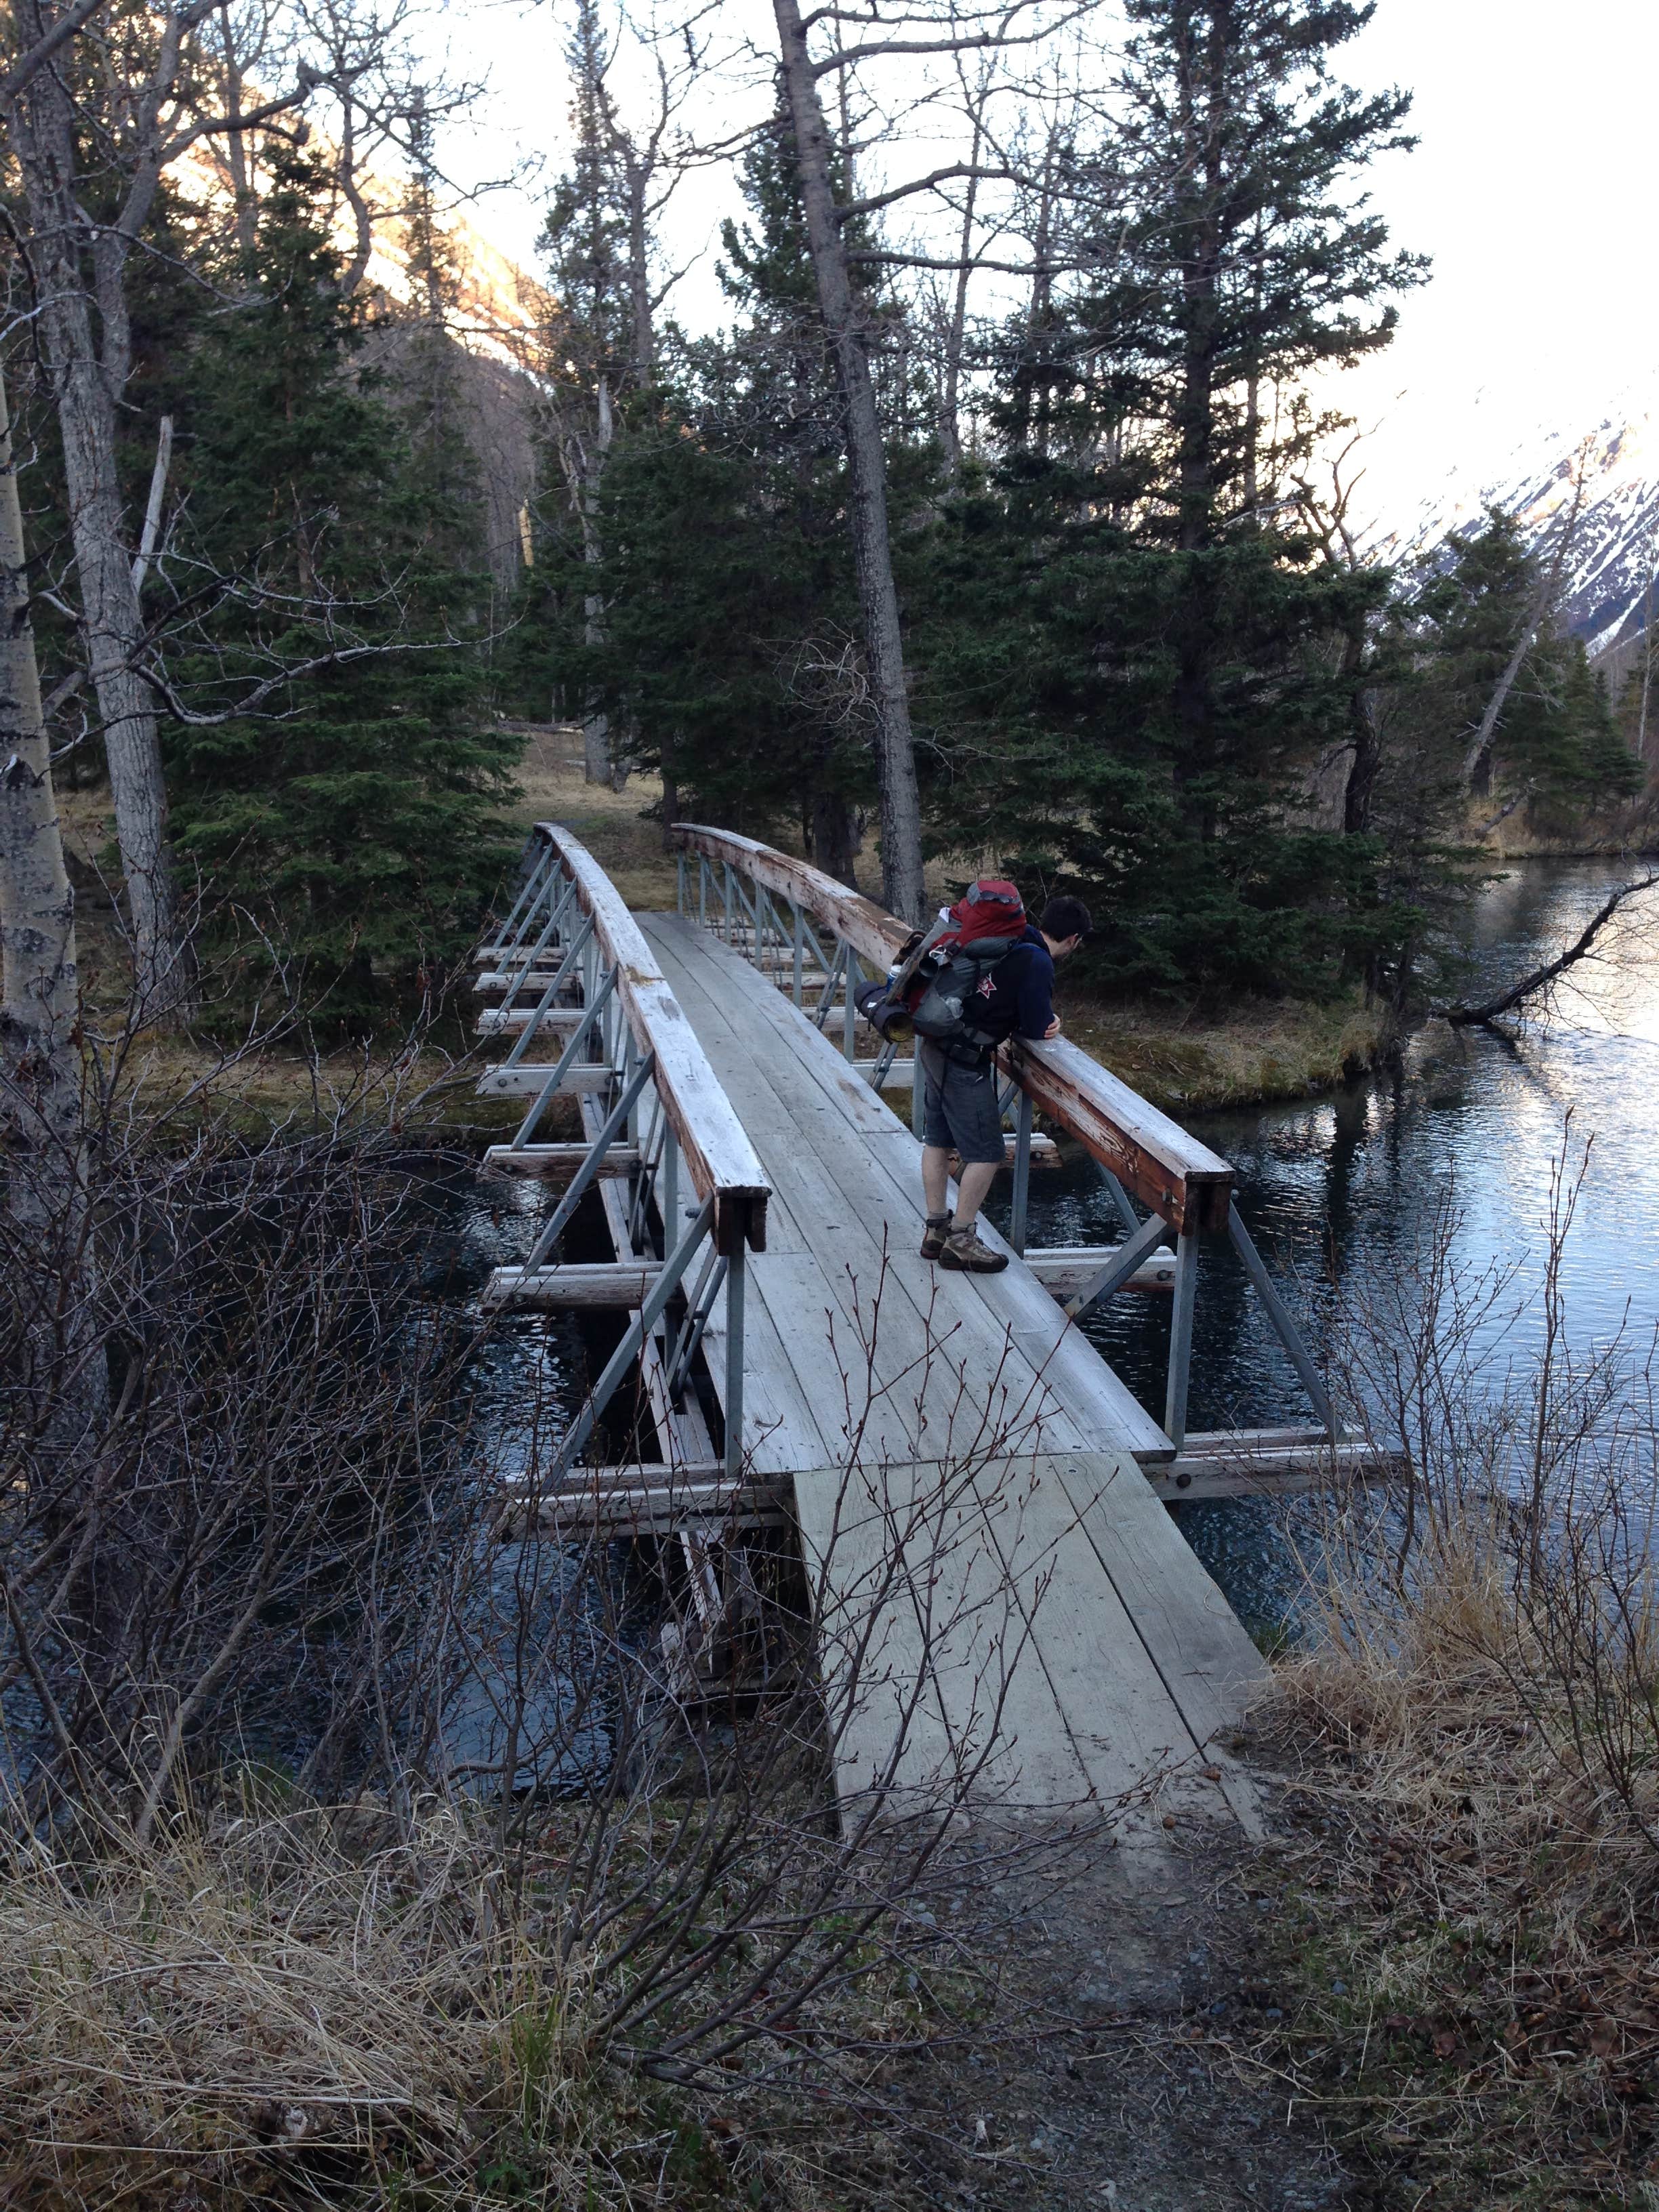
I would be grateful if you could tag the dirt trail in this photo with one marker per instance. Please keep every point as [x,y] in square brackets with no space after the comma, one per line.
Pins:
[1137,1990]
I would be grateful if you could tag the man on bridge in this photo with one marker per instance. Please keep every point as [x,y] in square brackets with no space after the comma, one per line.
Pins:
[1013,996]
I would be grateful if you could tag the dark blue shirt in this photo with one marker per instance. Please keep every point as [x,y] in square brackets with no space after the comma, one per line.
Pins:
[1017,997]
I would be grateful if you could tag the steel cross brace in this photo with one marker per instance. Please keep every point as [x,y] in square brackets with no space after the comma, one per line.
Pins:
[633,1344]
[831,977]
[651,1154]
[521,1045]
[1126,1258]
[699,1306]
[1279,1314]
[583,1180]
[526,961]
[567,1059]
[546,861]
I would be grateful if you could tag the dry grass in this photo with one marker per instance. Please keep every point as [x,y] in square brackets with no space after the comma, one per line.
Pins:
[298,2008]
[611,823]
[1470,1901]
[1279,1048]
[1472,1915]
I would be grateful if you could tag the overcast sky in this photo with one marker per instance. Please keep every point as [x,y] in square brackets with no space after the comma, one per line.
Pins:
[1531,190]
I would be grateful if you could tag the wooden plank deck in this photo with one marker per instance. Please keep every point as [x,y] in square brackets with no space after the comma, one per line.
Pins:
[959,1452]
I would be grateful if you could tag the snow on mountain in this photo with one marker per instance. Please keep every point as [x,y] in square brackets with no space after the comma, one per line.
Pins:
[1609,581]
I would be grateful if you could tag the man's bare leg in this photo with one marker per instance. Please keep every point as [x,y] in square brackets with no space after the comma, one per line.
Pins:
[972,1186]
[976,1181]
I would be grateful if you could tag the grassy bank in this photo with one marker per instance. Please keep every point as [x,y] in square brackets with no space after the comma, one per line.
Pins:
[1468,1908]
[1467,1899]
[1277,1049]
[284,2005]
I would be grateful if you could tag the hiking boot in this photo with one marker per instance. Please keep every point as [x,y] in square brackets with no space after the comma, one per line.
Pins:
[964,1254]
[933,1236]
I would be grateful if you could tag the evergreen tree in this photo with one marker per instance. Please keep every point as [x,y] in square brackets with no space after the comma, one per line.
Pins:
[729,646]
[1176,636]
[1555,746]
[352,817]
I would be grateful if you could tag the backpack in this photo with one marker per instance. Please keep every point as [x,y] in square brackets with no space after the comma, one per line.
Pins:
[990,918]
[989,925]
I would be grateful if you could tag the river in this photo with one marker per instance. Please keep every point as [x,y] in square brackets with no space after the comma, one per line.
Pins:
[1337,1190]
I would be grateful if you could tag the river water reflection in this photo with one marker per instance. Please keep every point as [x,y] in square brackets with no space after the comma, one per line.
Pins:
[1338,1189]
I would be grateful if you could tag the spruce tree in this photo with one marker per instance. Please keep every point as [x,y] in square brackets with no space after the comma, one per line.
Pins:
[1178,625]
[352,817]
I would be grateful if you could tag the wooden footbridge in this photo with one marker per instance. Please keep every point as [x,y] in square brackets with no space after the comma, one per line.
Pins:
[980,1500]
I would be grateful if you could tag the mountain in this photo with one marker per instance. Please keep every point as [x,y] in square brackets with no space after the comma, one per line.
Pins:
[1609,581]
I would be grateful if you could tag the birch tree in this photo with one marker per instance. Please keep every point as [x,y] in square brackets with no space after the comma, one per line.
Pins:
[39,1052]
[134,105]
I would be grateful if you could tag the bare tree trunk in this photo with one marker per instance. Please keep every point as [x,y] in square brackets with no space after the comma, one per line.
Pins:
[41,990]
[236,148]
[640,304]
[950,424]
[1541,978]
[896,765]
[41,1073]
[1367,738]
[834,836]
[1477,760]
[596,724]
[86,385]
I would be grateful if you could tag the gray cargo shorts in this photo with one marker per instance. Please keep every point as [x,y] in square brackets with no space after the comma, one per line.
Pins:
[959,1107]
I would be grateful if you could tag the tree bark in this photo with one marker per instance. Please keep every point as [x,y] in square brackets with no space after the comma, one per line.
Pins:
[41,990]
[950,422]
[1366,738]
[42,1106]
[596,723]
[834,837]
[1203,105]
[88,379]
[1478,759]
[849,343]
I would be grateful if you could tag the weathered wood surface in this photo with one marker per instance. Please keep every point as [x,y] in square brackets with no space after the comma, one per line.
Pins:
[1271,1471]
[650,1508]
[1150,1154]
[718,1159]
[868,927]
[860,1356]
[554,1160]
[1063,1270]
[626,1475]
[1033,1681]
[530,980]
[495,1020]
[625,1283]
[524,1081]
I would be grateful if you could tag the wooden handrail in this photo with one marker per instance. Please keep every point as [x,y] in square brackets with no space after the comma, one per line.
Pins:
[714,1147]
[1168,1170]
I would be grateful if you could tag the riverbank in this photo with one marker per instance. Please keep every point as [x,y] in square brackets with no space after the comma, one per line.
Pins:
[1262,1051]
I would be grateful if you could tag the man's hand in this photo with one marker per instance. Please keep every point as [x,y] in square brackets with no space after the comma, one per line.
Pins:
[1053,1030]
